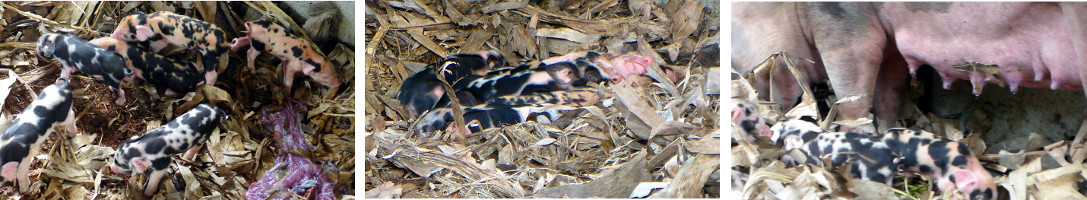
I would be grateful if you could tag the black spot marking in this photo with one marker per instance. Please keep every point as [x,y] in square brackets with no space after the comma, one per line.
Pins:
[963,149]
[959,161]
[939,148]
[154,145]
[747,125]
[925,169]
[935,7]
[832,8]
[297,52]
[316,67]
[258,45]
[160,163]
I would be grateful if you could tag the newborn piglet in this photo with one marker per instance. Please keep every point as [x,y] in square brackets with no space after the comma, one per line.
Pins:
[163,28]
[20,142]
[176,76]
[75,54]
[152,150]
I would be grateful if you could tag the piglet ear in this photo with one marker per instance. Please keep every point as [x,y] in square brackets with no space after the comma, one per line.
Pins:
[737,114]
[142,32]
[9,170]
[47,50]
[307,68]
[965,180]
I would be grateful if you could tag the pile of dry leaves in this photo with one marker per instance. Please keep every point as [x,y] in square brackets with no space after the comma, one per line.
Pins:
[238,152]
[659,140]
[1032,168]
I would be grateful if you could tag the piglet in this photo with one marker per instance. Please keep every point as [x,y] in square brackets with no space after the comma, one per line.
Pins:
[163,28]
[176,76]
[75,54]
[619,67]
[423,90]
[267,36]
[19,143]
[186,133]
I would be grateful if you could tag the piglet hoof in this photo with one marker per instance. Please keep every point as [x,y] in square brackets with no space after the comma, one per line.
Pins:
[169,93]
[184,162]
[121,99]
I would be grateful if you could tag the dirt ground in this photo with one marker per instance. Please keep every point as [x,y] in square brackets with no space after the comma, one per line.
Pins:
[245,145]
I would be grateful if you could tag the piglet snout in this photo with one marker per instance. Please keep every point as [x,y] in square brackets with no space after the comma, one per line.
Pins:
[116,170]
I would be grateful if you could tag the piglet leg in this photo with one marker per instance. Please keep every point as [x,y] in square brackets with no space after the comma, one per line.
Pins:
[153,182]
[120,96]
[252,56]
[24,170]
[239,43]
[289,69]
[65,71]
[70,123]
[191,153]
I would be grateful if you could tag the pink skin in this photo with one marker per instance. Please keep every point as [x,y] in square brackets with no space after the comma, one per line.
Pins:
[139,165]
[486,56]
[622,67]
[568,57]
[10,170]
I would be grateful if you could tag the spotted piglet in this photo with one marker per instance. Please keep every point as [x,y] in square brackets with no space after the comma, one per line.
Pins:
[423,90]
[746,118]
[876,158]
[19,143]
[152,150]
[163,28]
[540,79]
[792,134]
[75,54]
[947,161]
[176,76]
[869,159]
[267,36]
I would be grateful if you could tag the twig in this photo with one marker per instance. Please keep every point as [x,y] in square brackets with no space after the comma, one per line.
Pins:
[21,45]
[47,21]
[458,112]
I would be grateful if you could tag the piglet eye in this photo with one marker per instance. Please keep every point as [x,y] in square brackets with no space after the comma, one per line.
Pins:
[131,37]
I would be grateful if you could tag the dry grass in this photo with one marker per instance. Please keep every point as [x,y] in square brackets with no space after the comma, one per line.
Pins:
[662,136]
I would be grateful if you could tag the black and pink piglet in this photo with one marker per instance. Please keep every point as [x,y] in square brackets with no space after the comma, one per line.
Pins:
[20,142]
[75,54]
[152,150]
